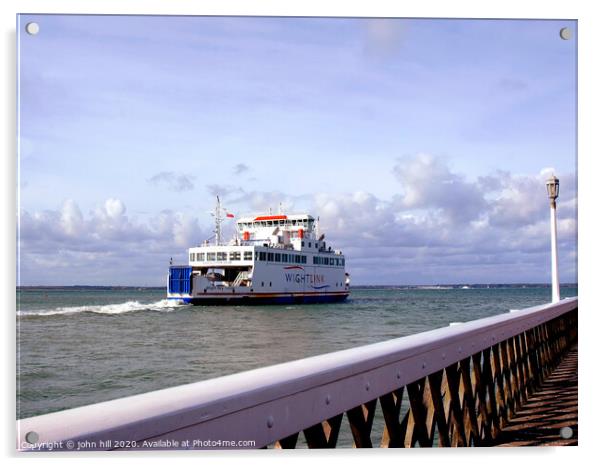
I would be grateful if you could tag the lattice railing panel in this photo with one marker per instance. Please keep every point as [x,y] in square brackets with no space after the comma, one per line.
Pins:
[464,404]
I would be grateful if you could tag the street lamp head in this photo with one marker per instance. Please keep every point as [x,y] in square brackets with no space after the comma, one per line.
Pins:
[553,187]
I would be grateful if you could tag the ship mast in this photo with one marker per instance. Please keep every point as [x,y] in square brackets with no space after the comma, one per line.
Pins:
[218,222]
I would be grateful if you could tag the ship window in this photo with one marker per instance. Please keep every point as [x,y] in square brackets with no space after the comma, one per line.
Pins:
[210,256]
[302,244]
[248,255]
[235,256]
[315,260]
[284,257]
[297,259]
[191,256]
[270,256]
[309,245]
[343,262]
[316,245]
[277,257]
[200,256]
[221,256]
[332,261]
[261,256]
[304,259]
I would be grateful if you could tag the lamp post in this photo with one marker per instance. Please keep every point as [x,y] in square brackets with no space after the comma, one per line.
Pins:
[553,187]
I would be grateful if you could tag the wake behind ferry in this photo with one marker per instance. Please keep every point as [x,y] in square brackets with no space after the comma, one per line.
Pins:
[272,259]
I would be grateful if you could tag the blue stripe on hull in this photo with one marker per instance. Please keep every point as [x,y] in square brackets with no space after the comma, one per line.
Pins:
[250,300]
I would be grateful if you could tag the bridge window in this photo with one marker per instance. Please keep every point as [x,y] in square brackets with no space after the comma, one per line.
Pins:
[191,256]
[200,256]
[261,256]
[332,261]
[248,255]
[270,256]
[210,256]
[343,262]
[284,257]
[235,256]
[277,257]
[221,256]
[304,259]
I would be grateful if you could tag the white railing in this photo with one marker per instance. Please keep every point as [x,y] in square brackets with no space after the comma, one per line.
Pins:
[262,406]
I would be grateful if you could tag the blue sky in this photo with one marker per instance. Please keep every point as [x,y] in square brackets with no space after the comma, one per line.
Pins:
[422,144]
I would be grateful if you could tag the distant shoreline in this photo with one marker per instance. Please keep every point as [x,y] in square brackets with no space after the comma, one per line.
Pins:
[404,287]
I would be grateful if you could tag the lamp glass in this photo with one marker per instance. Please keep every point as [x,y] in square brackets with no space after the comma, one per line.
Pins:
[553,186]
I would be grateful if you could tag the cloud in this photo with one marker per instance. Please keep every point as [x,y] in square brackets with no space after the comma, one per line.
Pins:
[259,201]
[384,37]
[441,228]
[445,228]
[428,183]
[173,181]
[63,246]
[240,168]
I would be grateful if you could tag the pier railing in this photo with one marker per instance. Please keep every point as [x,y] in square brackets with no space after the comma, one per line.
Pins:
[453,386]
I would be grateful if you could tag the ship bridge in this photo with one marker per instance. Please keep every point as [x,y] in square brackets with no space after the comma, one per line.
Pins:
[277,229]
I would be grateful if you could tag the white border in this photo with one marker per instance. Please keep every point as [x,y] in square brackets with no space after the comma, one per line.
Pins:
[590,77]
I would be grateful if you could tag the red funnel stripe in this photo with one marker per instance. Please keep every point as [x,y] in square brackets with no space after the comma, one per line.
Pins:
[271,217]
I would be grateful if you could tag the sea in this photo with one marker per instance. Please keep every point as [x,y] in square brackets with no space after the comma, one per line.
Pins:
[81,346]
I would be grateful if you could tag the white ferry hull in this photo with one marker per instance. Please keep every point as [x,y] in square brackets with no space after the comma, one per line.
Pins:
[277,260]
[213,299]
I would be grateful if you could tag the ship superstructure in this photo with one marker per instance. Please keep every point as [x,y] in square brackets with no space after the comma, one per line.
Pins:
[272,259]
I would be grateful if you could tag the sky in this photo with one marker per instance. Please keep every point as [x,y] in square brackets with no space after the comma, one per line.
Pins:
[422,145]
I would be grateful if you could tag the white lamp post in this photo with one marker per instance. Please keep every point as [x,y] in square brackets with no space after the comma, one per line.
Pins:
[553,187]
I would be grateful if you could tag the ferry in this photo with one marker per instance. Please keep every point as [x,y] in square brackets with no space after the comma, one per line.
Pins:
[272,259]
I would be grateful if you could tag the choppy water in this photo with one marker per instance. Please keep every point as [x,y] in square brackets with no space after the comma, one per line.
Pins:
[82,347]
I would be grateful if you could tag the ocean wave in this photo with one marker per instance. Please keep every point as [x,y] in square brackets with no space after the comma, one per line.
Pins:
[164,305]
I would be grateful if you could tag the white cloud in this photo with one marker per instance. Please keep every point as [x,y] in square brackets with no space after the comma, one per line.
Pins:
[428,183]
[114,208]
[104,247]
[442,227]
[71,218]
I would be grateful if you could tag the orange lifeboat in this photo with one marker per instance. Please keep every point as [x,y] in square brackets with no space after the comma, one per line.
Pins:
[300,232]
[246,236]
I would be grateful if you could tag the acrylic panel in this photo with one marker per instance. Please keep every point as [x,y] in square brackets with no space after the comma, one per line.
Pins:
[199,197]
